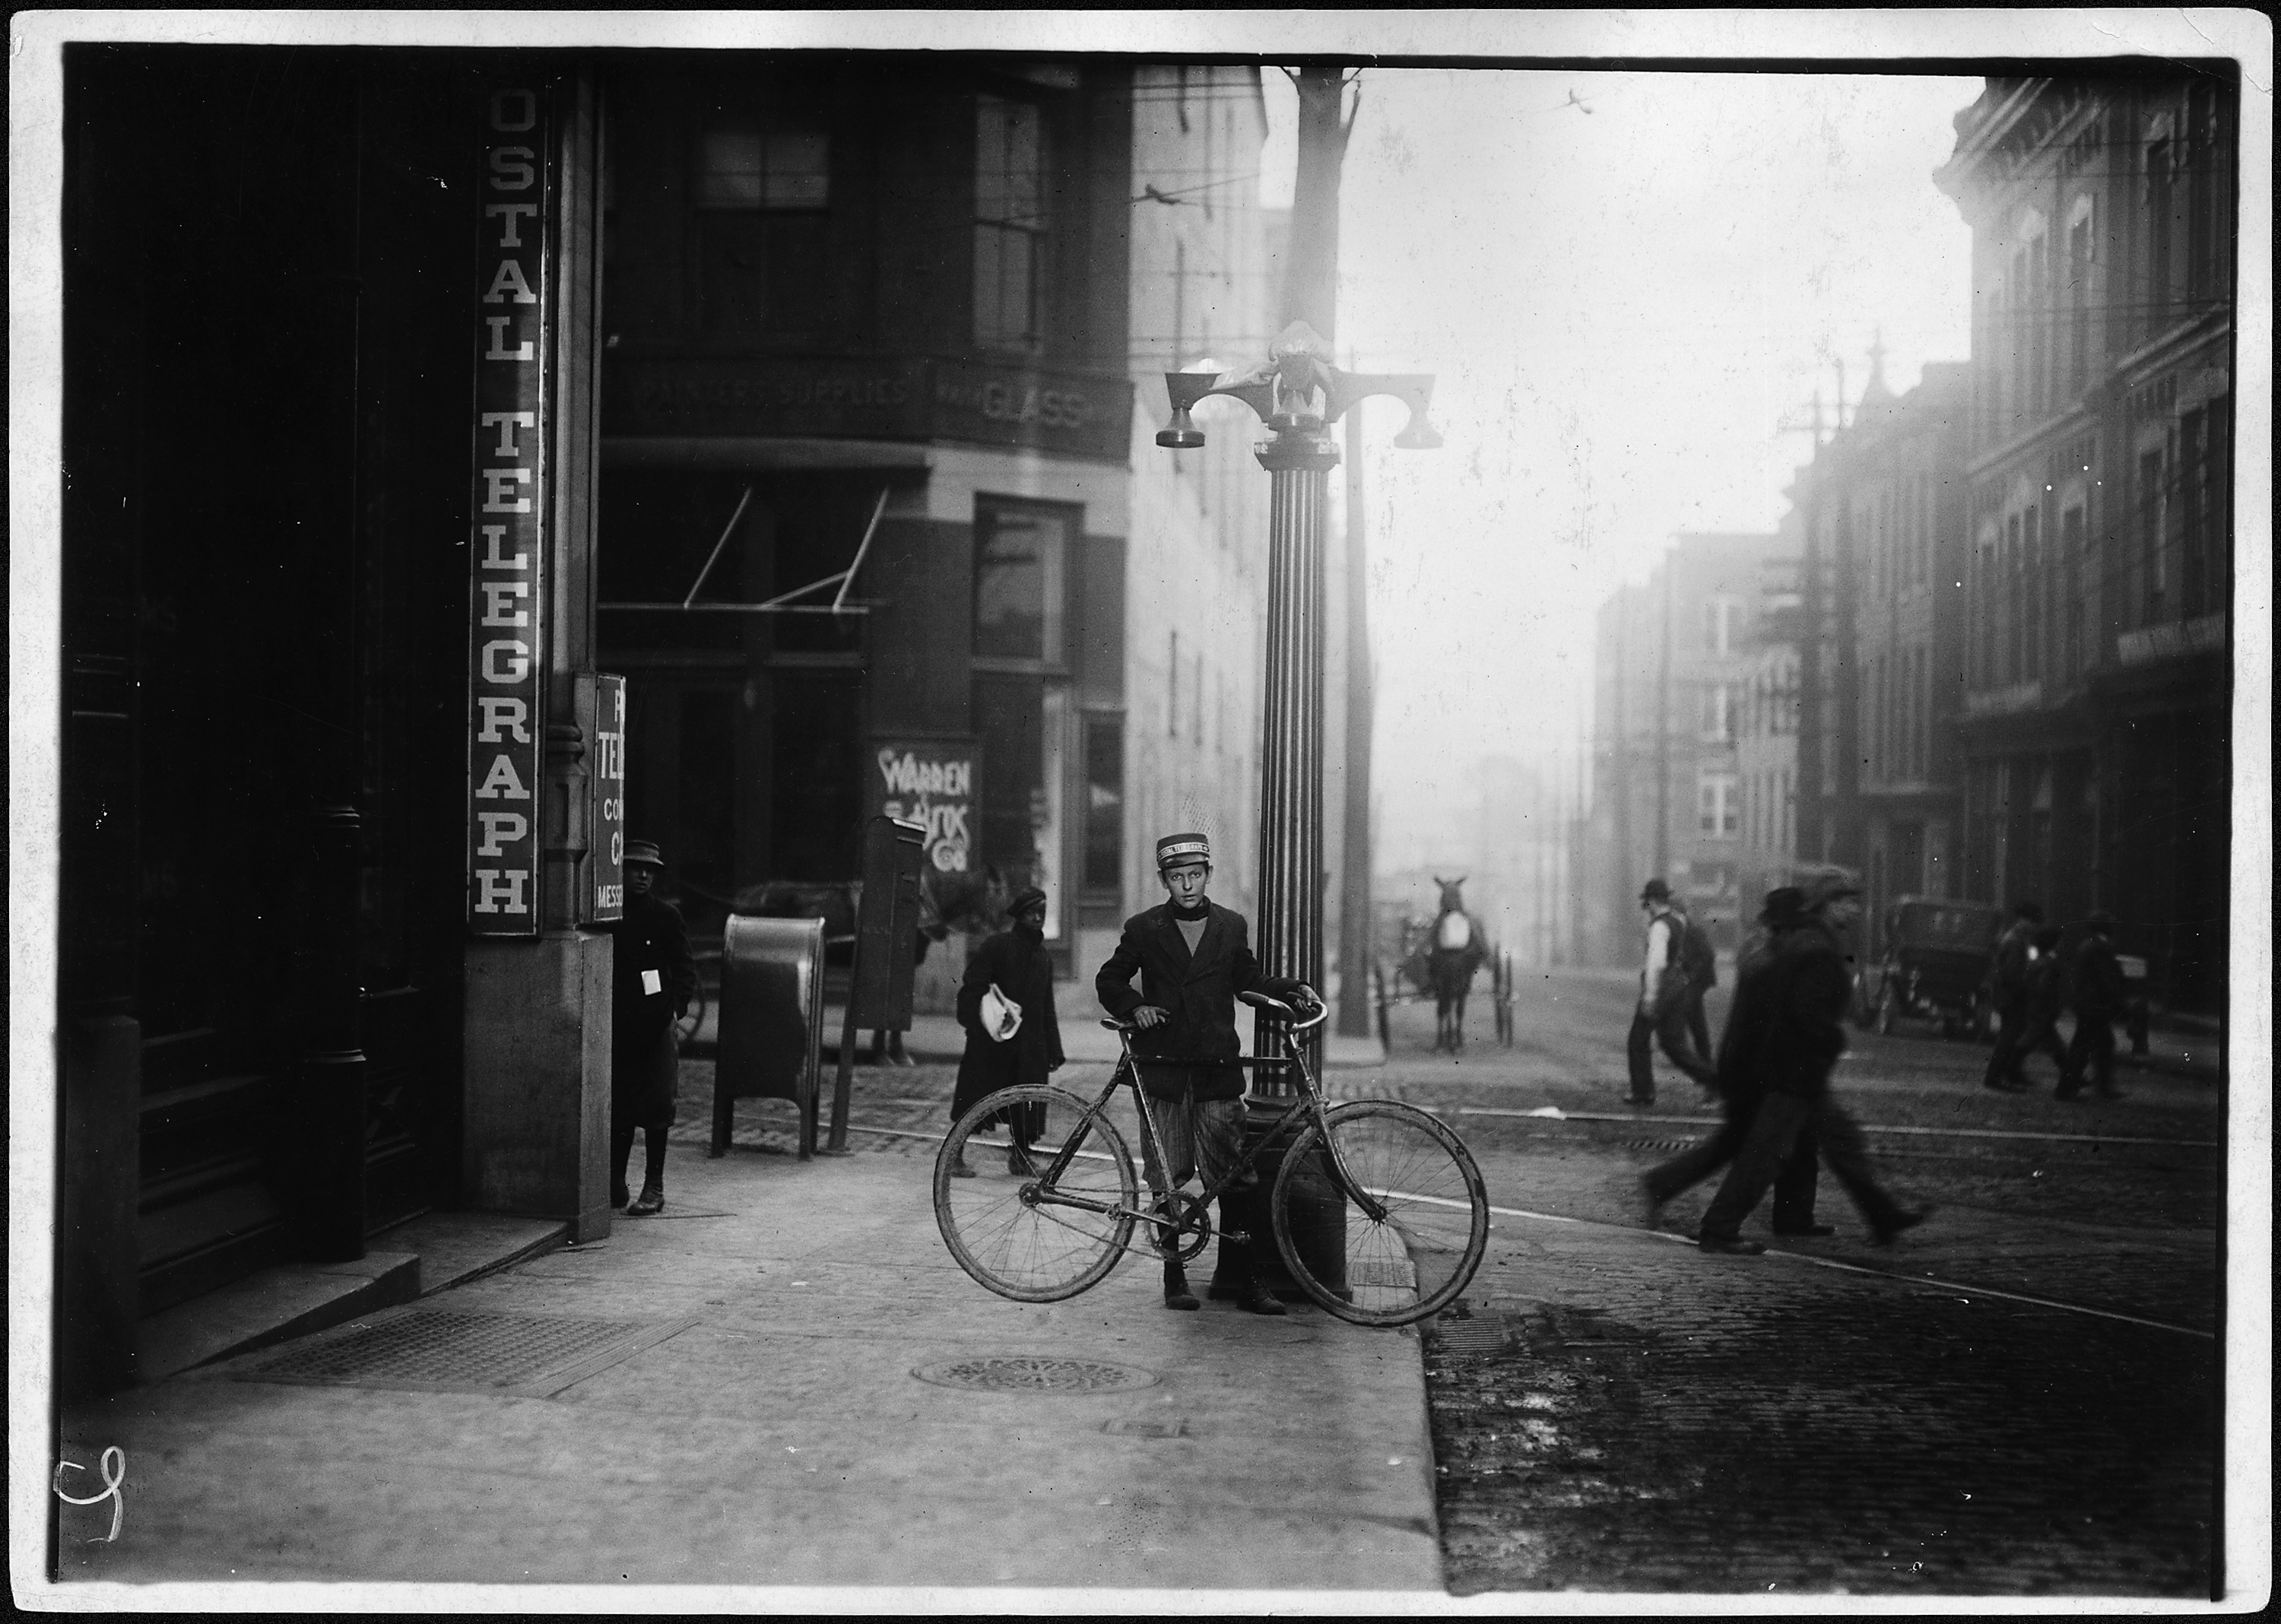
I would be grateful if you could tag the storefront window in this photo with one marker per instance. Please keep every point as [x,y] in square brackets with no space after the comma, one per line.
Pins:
[1020,572]
[1104,803]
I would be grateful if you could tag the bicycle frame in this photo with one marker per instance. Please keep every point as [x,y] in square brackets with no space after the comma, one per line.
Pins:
[1127,1075]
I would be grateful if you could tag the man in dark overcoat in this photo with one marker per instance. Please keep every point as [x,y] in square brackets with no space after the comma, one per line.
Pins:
[1016,961]
[1192,957]
[2099,1000]
[2007,994]
[653,978]
[1808,987]
[1741,1086]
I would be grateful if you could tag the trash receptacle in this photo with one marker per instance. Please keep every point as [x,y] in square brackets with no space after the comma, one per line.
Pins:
[771,1039]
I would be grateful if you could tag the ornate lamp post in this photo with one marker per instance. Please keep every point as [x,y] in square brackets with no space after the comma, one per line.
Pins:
[1298,394]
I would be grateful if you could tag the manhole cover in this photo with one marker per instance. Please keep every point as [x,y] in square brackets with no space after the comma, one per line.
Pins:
[434,1349]
[1035,1375]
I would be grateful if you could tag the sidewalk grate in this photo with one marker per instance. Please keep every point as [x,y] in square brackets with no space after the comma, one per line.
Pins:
[1481,1334]
[1026,1374]
[435,1350]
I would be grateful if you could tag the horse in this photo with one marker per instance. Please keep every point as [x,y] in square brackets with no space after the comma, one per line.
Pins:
[1456,946]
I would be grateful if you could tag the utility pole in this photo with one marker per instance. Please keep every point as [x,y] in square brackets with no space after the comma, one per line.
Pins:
[1354,933]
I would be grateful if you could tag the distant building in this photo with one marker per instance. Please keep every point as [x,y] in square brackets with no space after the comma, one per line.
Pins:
[1671,661]
[1881,639]
[2098,680]
[1766,742]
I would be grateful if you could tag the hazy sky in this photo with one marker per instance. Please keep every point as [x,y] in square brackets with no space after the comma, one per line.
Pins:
[1625,307]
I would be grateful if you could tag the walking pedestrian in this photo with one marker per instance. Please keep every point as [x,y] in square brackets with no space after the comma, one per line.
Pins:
[1013,964]
[2043,995]
[2099,998]
[1808,987]
[1741,1087]
[2006,984]
[1698,960]
[653,978]
[1661,1014]
[1192,957]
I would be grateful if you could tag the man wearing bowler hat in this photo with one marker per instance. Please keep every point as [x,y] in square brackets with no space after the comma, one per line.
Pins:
[1661,1014]
[653,978]
[1192,957]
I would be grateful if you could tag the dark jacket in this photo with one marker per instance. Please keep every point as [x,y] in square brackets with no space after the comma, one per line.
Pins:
[1197,991]
[1747,1015]
[2044,994]
[649,936]
[2008,967]
[1023,973]
[644,1060]
[2100,994]
[1808,987]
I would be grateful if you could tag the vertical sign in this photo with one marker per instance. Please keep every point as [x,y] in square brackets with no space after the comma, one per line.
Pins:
[604,717]
[930,781]
[507,598]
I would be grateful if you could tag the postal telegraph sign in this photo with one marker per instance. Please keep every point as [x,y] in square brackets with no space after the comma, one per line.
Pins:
[507,598]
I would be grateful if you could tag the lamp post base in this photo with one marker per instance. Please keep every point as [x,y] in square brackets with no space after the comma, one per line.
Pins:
[1318,1220]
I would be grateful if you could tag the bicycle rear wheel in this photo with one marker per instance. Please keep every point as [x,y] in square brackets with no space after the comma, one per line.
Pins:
[1413,1260]
[1009,1231]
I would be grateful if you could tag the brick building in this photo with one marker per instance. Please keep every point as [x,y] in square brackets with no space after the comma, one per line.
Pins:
[2094,732]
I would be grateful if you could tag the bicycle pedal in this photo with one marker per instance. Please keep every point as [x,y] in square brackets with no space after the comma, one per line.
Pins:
[1235,1237]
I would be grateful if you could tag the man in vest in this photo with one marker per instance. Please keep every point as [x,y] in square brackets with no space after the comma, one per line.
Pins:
[1661,1015]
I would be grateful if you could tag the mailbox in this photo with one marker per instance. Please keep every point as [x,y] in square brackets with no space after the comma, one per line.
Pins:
[887,924]
[886,948]
[771,1041]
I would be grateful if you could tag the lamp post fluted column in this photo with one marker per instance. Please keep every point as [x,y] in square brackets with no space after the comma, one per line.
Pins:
[1298,394]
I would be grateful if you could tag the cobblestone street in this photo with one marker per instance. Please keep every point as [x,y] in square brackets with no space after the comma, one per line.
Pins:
[1618,1412]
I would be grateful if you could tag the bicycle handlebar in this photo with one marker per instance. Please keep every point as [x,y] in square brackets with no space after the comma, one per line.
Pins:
[1275,1006]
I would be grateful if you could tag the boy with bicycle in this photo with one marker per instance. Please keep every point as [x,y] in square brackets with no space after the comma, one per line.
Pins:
[1192,957]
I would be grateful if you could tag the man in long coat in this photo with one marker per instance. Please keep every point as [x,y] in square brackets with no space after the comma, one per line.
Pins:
[1742,1086]
[653,978]
[1192,957]
[2099,999]
[1808,988]
[1016,961]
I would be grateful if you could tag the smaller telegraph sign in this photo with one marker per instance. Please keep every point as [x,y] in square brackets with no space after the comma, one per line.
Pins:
[507,607]
[604,716]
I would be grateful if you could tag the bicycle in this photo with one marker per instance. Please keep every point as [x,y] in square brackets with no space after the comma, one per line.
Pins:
[1378,1210]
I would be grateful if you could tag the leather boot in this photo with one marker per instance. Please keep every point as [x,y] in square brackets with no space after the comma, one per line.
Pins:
[1250,1296]
[1177,1294]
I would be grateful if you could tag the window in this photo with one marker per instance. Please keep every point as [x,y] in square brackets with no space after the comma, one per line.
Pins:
[2014,558]
[2071,545]
[754,169]
[2197,593]
[1717,804]
[1104,803]
[2153,576]
[1020,553]
[2079,250]
[1010,221]
[1721,622]
[760,195]
[2031,583]
[1718,709]
[1172,688]
[2160,203]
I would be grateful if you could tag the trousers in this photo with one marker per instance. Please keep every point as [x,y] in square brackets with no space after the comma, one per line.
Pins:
[2090,1057]
[1775,1130]
[1197,1137]
[1669,1029]
[1795,1182]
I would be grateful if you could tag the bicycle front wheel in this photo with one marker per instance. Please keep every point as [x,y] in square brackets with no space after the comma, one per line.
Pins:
[1041,1235]
[1414,1247]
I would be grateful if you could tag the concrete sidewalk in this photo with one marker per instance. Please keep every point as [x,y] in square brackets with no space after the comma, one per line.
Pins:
[755,1421]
